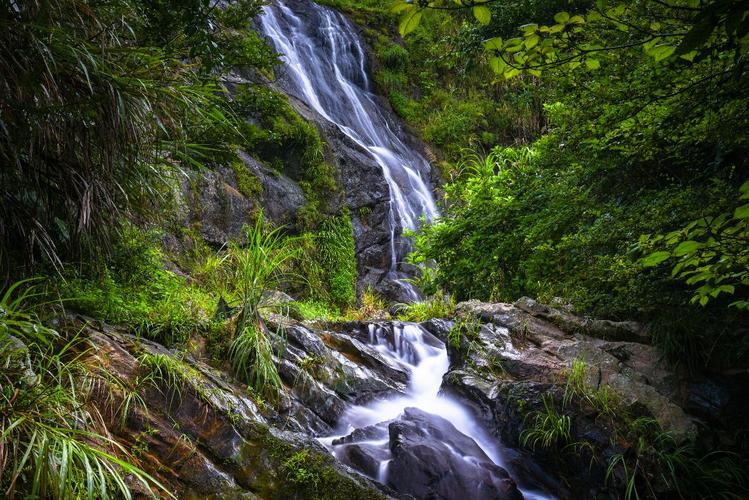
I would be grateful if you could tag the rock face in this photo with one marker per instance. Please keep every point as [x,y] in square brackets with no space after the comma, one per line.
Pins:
[432,459]
[213,203]
[204,436]
[521,353]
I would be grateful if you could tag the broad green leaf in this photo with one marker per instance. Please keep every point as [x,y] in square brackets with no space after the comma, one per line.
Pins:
[498,65]
[592,63]
[689,56]
[511,73]
[742,212]
[561,17]
[482,14]
[686,247]
[493,44]
[409,22]
[401,7]
[532,41]
[654,259]
[661,52]
[529,28]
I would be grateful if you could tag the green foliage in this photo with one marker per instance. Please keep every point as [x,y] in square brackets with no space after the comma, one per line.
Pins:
[136,291]
[335,254]
[314,310]
[299,473]
[371,306]
[677,468]
[53,445]
[712,252]
[549,428]
[251,356]
[575,385]
[103,104]
[538,222]
[435,306]
[464,333]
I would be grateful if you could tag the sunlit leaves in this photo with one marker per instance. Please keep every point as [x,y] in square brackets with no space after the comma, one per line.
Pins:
[482,14]
[711,253]
[410,21]
[665,33]
[592,63]
[561,17]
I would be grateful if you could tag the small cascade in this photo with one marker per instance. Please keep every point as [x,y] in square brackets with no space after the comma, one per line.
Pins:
[425,358]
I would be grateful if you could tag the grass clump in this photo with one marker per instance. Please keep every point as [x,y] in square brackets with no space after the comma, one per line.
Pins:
[549,428]
[436,306]
[259,266]
[678,468]
[52,445]
[464,333]
[371,306]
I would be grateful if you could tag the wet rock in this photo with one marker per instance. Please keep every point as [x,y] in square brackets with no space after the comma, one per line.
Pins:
[432,459]
[603,329]
[440,328]
[281,197]
[212,201]
[364,457]
[322,401]
[208,439]
[368,356]
[525,351]
[16,362]
[365,449]
[348,380]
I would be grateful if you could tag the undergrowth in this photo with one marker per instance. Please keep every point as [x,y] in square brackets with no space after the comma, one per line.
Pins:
[53,444]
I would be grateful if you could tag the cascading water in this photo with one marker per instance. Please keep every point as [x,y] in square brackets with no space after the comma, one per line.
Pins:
[425,358]
[325,67]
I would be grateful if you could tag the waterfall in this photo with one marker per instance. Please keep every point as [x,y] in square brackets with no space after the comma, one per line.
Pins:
[325,67]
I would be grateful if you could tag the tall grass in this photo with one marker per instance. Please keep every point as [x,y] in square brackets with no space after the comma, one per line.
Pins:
[260,264]
[53,442]
[102,103]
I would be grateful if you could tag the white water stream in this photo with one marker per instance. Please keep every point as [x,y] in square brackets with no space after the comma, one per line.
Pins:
[324,61]
[425,358]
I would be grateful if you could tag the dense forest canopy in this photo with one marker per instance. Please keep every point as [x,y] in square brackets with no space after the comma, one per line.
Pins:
[593,154]
[641,166]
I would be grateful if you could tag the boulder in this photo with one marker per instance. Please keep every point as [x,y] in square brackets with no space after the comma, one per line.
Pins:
[432,459]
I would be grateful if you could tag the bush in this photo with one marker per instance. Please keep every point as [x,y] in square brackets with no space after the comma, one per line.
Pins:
[134,290]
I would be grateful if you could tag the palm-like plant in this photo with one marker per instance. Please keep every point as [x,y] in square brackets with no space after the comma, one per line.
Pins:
[101,103]
[260,264]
